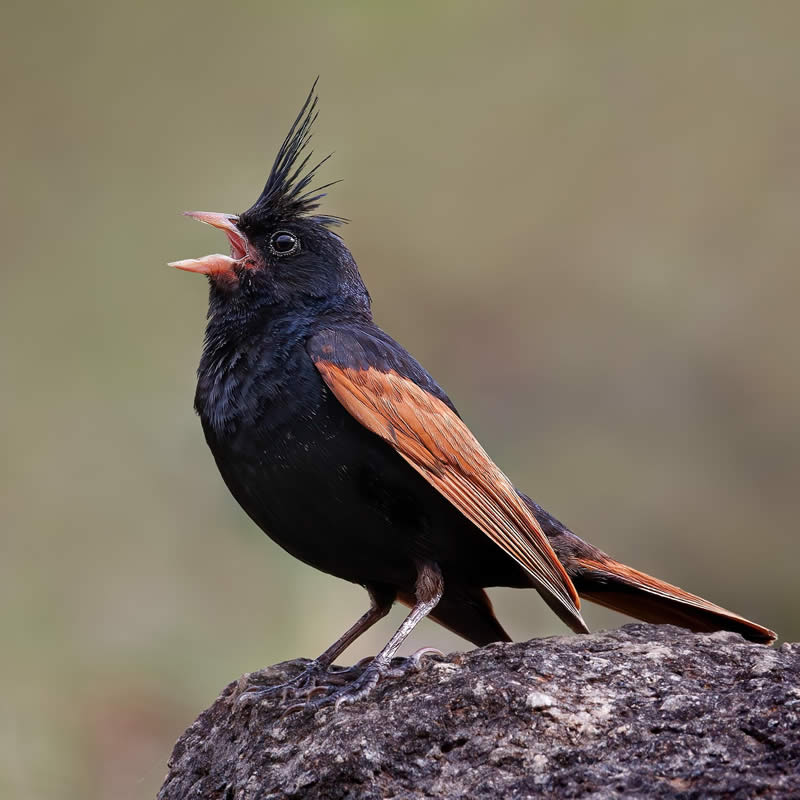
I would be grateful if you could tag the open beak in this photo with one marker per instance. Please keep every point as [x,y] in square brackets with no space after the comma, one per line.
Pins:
[217,265]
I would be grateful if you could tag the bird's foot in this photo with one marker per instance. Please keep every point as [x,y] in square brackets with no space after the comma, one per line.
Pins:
[316,678]
[363,685]
[413,663]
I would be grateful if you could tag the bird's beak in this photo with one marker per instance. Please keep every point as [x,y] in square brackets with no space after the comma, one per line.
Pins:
[217,265]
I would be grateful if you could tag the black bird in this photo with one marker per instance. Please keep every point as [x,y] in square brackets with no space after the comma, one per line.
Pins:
[347,453]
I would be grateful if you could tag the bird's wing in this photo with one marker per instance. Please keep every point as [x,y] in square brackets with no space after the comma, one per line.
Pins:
[431,437]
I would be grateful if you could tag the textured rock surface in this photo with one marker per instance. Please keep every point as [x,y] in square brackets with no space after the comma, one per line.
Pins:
[644,711]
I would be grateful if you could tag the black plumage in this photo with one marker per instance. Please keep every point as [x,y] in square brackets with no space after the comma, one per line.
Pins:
[347,453]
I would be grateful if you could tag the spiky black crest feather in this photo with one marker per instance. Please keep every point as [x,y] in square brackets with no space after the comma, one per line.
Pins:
[285,192]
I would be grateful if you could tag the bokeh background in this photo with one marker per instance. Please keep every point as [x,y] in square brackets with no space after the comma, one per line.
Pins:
[582,217]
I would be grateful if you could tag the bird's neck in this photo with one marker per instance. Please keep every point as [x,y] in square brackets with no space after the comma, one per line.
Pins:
[249,357]
[241,351]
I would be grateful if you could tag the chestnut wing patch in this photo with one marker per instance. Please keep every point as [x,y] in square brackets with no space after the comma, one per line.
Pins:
[434,441]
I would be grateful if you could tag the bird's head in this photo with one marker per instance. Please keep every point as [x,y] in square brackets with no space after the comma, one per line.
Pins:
[281,252]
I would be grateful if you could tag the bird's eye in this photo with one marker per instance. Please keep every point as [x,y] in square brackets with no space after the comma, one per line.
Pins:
[284,243]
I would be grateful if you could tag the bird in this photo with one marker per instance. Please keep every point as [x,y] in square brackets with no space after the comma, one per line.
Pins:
[346,452]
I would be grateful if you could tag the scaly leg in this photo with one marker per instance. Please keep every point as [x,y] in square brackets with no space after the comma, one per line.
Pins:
[381,599]
[428,592]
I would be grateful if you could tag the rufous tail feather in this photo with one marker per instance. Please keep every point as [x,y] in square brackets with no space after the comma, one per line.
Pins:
[614,585]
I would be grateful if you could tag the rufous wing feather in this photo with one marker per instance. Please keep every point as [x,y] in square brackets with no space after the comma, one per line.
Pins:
[440,447]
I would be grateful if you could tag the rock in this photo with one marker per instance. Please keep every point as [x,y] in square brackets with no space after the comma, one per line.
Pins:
[645,711]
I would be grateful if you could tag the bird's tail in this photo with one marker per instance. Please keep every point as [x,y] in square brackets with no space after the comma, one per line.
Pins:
[601,579]
[609,583]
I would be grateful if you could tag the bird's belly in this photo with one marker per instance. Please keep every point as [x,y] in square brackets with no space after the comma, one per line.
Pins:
[331,494]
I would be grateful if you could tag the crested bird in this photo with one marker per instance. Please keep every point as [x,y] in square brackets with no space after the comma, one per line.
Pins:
[345,451]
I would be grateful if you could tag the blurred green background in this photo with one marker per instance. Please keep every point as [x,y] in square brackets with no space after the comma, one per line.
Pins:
[582,217]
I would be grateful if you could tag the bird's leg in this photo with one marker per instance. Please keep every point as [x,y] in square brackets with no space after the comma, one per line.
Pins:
[429,589]
[381,603]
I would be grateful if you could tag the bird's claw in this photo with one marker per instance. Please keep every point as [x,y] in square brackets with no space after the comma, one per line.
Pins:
[352,692]
[413,663]
[363,685]
[314,679]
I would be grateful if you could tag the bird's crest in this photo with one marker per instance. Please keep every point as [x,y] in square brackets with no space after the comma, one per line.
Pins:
[286,191]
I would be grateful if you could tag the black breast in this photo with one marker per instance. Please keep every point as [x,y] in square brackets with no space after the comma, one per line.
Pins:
[322,486]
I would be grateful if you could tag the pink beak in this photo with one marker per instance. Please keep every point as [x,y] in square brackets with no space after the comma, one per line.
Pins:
[216,265]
